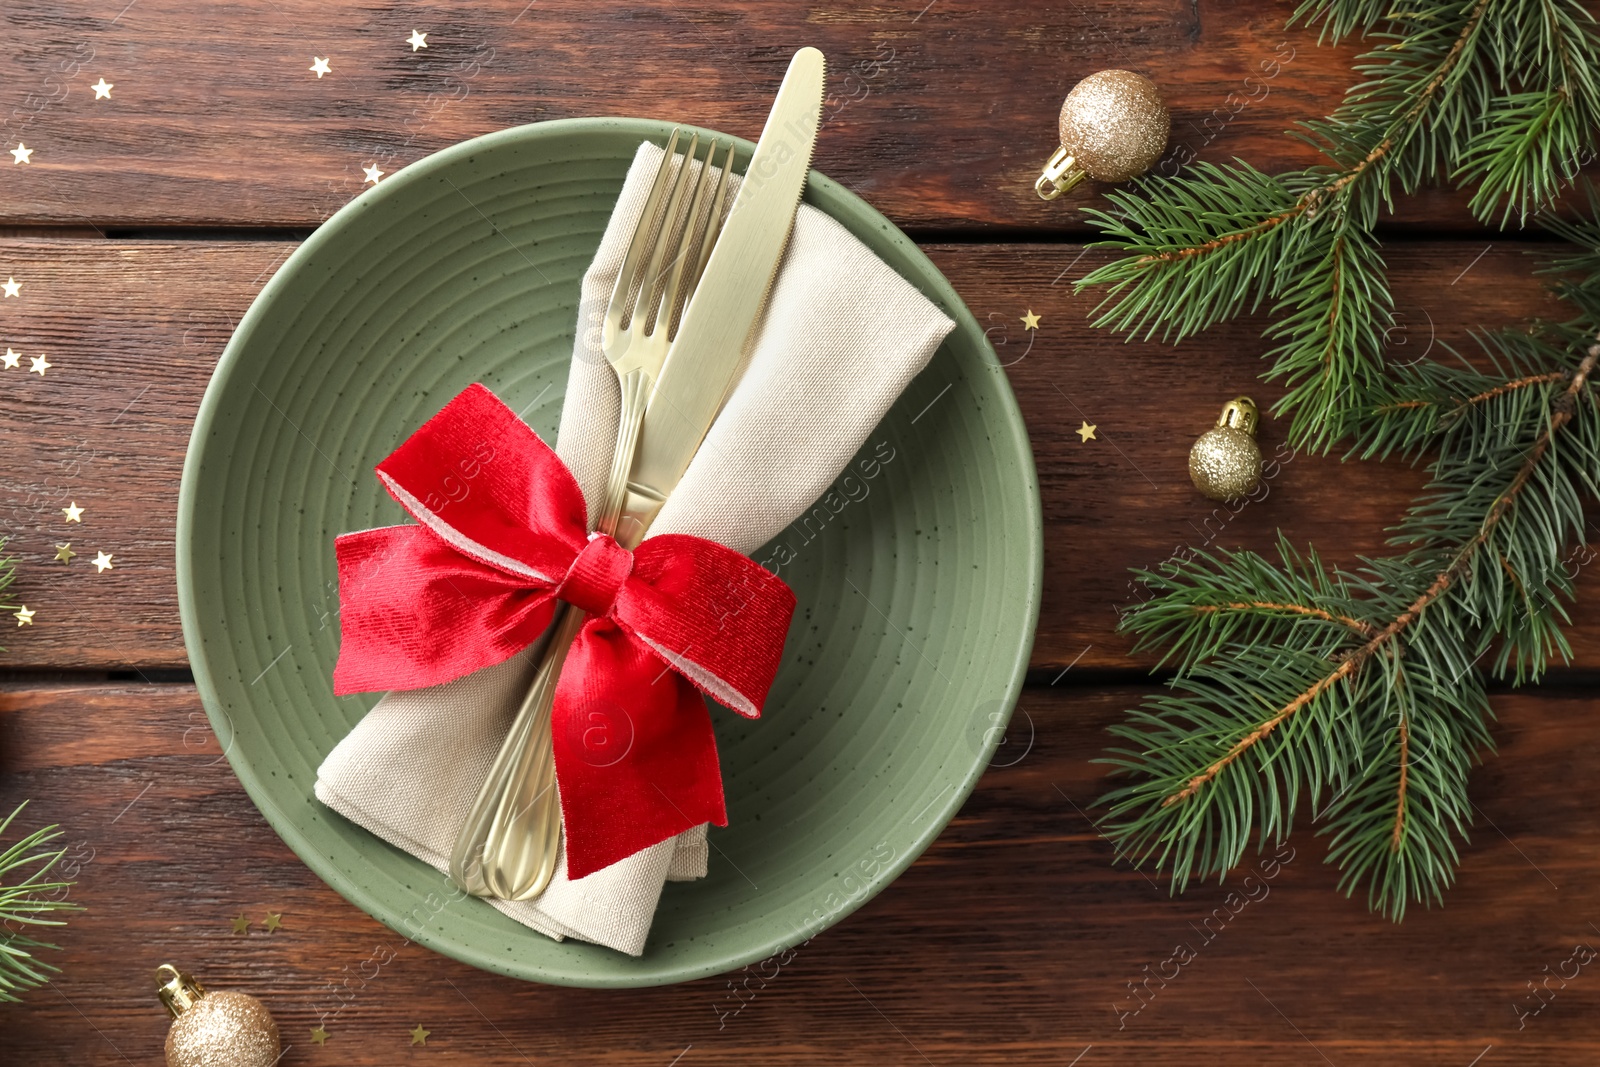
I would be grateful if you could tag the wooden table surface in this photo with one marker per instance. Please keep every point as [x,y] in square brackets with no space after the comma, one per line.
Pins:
[145,223]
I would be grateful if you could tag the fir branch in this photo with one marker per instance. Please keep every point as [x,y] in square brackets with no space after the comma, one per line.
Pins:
[1502,97]
[1362,689]
[1366,655]
[1460,565]
[27,903]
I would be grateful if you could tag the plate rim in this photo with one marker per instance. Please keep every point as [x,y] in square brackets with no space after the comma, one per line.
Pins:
[255,786]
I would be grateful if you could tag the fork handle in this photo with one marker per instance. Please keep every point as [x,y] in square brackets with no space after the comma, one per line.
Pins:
[514,826]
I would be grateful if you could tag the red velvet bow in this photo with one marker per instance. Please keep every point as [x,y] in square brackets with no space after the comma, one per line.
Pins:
[503,535]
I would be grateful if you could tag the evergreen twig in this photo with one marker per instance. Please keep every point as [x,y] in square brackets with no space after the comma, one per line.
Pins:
[1362,690]
[25,904]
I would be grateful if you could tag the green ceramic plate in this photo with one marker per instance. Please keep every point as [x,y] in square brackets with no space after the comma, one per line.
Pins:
[465,267]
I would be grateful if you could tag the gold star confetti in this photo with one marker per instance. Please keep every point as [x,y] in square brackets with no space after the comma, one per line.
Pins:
[73,512]
[64,552]
[319,1036]
[240,924]
[22,153]
[12,287]
[102,89]
[11,359]
[319,67]
[1030,321]
[372,173]
[417,40]
[1086,431]
[24,616]
[419,1036]
[102,562]
[273,920]
[40,365]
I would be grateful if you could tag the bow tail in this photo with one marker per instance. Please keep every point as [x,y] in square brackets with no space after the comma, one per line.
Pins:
[636,758]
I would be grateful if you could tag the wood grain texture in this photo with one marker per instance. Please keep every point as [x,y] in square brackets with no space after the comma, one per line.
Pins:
[1014,939]
[941,113]
[133,328]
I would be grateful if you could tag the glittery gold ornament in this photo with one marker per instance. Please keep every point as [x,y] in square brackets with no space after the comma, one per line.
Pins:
[1113,127]
[1225,463]
[217,1029]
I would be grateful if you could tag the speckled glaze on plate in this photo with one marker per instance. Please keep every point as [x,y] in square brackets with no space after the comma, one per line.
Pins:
[917,598]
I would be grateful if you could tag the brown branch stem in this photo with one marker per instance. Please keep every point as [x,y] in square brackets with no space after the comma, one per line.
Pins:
[1293,609]
[1400,792]
[1487,394]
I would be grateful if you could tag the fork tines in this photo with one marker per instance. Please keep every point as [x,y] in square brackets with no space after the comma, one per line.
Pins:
[658,290]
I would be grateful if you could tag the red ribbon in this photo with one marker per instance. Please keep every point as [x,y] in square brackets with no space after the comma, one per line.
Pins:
[503,534]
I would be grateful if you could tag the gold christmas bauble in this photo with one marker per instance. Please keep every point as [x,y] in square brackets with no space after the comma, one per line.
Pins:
[215,1029]
[1225,463]
[1113,127]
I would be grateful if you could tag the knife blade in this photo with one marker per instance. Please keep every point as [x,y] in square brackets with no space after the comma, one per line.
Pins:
[706,354]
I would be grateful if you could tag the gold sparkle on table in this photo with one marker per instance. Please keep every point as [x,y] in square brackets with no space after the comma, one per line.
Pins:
[319,67]
[25,615]
[419,1036]
[40,365]
[12,359]
[12,287]
[102,89]
[1086,431]
[22,153]
[241,925]
[273,920]
[64,553]
[417,40]
[373,174]
[319,1036]
[102,562]
[1030,321]
[73,512]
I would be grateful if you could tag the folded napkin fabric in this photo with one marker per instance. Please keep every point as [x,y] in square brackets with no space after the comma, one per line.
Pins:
[840,337]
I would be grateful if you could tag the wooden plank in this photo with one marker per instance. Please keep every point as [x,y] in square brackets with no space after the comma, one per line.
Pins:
[133,328]
[1013,940]
[941,112]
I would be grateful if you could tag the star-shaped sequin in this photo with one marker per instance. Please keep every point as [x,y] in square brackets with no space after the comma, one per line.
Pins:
[319,1036]
[22,153]
[40,365]
[241,925]
[319,67]
[73,512]
[12,287]
[372,173]
[102,562]
[419,1036]
[1030,321]
[25,616]
[102,89]
[417,40]
[273,920]
[64,553]
[11,360]
[1086,431]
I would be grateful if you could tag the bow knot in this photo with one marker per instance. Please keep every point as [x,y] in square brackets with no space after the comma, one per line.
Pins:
[596,575]
[502,535]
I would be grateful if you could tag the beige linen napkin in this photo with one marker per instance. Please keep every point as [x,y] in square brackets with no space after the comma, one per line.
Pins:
[841,336]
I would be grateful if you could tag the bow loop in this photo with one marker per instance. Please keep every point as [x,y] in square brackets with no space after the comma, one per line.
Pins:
[502,533]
